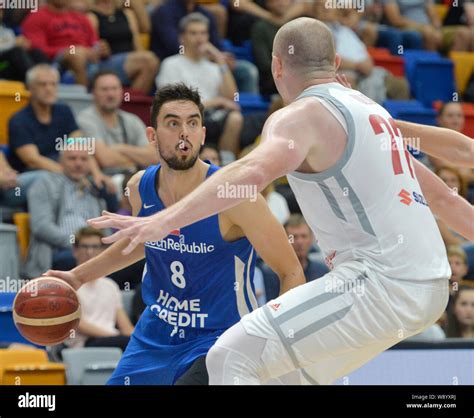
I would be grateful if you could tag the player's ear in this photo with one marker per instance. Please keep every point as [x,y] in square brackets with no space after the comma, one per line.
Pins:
[276,66]
[337,61]
[151,135]
[203,135]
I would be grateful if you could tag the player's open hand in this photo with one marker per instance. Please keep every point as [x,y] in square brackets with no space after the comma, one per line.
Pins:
[138,230]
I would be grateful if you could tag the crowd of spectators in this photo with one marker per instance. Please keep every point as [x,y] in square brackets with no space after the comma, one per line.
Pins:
[100,43]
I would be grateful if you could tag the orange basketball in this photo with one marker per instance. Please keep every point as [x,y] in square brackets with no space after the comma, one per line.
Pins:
[46,310]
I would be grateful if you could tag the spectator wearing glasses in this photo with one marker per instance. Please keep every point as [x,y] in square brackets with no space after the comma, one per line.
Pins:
[104,322]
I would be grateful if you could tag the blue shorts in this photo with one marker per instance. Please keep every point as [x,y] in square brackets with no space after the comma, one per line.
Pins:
[144,363]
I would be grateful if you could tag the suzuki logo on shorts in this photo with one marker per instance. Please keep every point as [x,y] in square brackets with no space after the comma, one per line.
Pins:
[405,197]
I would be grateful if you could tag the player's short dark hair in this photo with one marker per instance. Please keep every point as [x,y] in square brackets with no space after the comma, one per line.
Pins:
[87,232]
[175,92]
[99,74]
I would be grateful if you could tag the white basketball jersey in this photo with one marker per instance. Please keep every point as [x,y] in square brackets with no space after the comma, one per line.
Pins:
[369,206]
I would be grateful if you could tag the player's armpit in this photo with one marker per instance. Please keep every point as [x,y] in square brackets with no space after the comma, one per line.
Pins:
[269,239]
[455,211]
[133,193]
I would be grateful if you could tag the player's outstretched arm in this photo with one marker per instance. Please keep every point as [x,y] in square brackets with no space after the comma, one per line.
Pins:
[452,209]
[446,144]
[283,148]
[269,239]
[110,260]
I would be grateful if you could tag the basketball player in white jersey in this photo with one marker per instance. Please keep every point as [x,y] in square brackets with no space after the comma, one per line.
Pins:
[366,201]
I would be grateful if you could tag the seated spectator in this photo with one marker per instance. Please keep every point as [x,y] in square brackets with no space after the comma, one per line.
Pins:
[451,116]
[104,322]
[210,153]
[139,8]
[166,33]
[244,13]
[421,16]
[460,322]
[456,182]
[368,26]
[13,186]
[458,262]
[60,203]
[118,29]
[458,25]
[37,132]
[121,142]
[356,63]
[203,66]
[262,34]
[220,13]
[66,37]
[16,54]
[301,238]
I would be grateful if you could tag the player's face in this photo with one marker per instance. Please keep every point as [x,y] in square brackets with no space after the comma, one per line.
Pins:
[44,89]
[75,164]
[301,238]
[87,248]
[458,268]
[464,307]
[108,93]
[179,134]
[196,35]
[452,117]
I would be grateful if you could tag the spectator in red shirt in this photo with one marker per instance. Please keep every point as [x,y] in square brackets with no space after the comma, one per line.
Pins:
[66,37]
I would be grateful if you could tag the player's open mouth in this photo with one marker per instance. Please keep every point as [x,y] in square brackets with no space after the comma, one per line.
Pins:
[184,149]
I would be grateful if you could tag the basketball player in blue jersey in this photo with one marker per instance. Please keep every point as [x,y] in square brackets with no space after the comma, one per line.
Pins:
[198,280]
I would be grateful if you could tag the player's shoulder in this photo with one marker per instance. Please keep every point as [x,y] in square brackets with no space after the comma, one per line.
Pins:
[135,179]
[297,108]
[302,111]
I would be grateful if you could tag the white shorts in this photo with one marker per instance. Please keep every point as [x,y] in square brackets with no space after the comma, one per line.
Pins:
[333,325]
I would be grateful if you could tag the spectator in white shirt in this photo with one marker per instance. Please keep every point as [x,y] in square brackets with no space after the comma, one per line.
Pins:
[201,65]
[104,322]
[120,138]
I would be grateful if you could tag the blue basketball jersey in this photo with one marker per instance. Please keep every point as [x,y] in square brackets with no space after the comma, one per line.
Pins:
[194,282]
[195,286]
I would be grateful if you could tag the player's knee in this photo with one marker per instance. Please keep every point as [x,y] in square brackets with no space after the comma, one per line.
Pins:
[215,359]
[228,366]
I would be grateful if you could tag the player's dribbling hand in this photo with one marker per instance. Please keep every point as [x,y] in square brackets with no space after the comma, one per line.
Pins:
[69,277]
[138,230]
